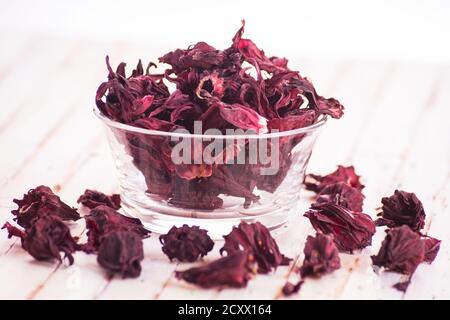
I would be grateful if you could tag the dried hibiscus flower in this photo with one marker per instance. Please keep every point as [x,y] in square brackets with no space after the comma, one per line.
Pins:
[186,244]
[39,202]
[351,230]
[342,194]
[290,288]
[93,198]
[233,270]
[347,175]
[103,219]
[402,208]
[255,238]
[236,88]
[321,256]
[121,252]
[401,251]
[46,238]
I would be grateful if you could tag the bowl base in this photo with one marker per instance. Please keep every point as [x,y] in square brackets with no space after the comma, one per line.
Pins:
[159,217]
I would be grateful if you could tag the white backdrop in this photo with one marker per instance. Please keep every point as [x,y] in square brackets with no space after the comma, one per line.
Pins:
[401,30]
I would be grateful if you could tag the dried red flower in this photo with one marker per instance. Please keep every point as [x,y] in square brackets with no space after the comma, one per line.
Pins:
[93,198]
[402,208]
[39,202]
[351,230]
[347,175]
[432,246]
[234,270]
[121,252]
[186,244]
[255,238]
[103,219]
[46,238]
[321,256]
[290,288]
[342,194]
[217,88]
[401,251]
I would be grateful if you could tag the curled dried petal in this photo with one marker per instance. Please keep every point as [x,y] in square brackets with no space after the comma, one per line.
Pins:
[342,194]
[93,198]
[347,175]
[233,270]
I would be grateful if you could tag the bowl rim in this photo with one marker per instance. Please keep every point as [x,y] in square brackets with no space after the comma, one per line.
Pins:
[126,127]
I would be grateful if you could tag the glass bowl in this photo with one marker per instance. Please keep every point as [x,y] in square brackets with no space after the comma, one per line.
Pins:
[214,181]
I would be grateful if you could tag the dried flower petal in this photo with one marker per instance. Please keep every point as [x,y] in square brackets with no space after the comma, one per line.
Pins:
[103,219]
[291,288]
[121,252]
[186,244]
[351,230]
[46,238]
[255,238]
[234,270]
[342,194]
[93,198]
[39,202]
[401,251]
[402,208]
[321,256]
[432,246]
[347,175]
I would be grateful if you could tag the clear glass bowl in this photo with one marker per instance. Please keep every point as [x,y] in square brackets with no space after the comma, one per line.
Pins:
[261,181]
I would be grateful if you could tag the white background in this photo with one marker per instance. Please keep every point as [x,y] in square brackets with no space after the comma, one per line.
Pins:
[399,30]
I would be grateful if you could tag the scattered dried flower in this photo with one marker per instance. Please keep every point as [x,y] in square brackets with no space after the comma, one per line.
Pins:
[234,270]
[321,256]
[121,252]
[46,238]
[93,198]
[186,244]
[351,230]
[255,238]
[402,208]
[103,219]
[342,194]
[39,202]
[347,175]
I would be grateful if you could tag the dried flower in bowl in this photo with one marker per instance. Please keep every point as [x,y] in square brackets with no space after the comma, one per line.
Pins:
[238,88]
[186,244]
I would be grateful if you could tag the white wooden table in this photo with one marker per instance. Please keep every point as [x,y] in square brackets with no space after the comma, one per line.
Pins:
[395,131]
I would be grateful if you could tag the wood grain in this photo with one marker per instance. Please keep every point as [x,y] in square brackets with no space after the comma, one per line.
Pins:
[395,131]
